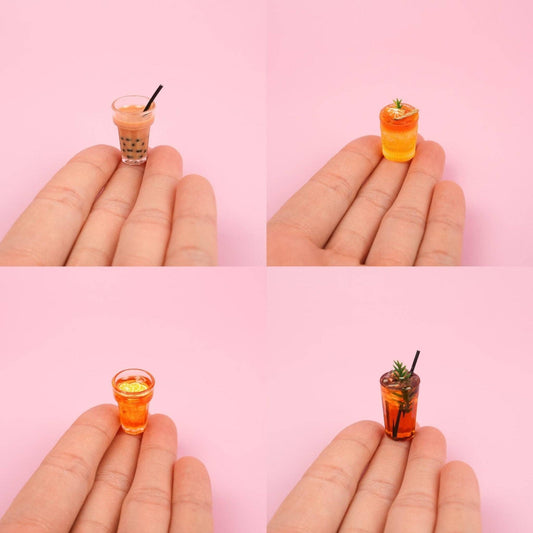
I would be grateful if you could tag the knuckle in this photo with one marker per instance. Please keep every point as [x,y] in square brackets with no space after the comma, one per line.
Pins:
[115,480]
[437,257]
[62,196]
[332,475]
[419,500]
[379,488]
[149,495]
[191,255]
[377,198]
[150,216]
[113,206]
[335,182]
[72,464]
[408,214]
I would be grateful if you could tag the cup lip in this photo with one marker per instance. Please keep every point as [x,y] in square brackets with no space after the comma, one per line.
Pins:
[133,371]
[415,375]
[115,108]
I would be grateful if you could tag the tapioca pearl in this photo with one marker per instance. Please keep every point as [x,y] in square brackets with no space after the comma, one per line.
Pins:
[129,150]
[129,156]
[144,151]
[138,140]
[138,151]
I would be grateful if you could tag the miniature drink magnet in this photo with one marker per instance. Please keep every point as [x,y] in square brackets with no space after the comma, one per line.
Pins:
[399,129]
[399,396]
[133,116]
[133,389]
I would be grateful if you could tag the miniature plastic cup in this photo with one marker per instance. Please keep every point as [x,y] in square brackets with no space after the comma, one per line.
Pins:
[133,127]
[398,134]
[400,399]
[133,389]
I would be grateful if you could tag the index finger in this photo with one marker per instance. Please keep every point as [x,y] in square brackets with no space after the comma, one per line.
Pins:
[319,501]
[53,496]
[46,230]
[316,209]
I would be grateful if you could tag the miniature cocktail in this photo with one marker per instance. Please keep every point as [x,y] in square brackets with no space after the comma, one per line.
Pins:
[399,395]
[399,128]
[133,389]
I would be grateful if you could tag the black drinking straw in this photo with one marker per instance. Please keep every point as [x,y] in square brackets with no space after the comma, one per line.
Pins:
[152,99]
[397,423]
[414,362]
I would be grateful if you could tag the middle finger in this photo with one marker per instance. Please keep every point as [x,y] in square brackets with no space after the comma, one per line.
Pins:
[402,228]
[378,488]
[415,507]
[144,237]
[146,508]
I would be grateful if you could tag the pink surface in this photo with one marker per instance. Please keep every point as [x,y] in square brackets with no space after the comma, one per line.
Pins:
[63,63]
[333,65]
[63,337]
[331,338]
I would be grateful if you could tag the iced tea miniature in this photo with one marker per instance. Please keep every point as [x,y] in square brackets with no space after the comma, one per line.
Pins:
[399,395]
[133,389]
[399,129]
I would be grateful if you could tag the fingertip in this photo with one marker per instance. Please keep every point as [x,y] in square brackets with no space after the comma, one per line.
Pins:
[98,151]
[163,423]
[165,155]
[433,149]
[369,145]
[192,465]
[432,436]
[199,182]
[367,427]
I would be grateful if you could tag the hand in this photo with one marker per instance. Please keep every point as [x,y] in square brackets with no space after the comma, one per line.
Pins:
[99,211]
[361,209]
[364,481]
[96,479]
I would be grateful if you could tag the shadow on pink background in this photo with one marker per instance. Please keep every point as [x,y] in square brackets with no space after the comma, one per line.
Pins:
[333,65]
[200,337]
[63,63]
[332,337]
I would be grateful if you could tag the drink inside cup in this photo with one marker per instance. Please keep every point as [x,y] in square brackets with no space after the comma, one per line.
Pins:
[399,129]
[399,399]
[133,127]
[133,389]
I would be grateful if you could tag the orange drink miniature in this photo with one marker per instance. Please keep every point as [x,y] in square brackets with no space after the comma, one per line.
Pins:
[133,389]
[133,127]
[399,128]
[399,396]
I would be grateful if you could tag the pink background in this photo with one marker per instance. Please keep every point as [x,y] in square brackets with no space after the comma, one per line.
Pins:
[62,65]
[63,336]
[333,65]
[331,338]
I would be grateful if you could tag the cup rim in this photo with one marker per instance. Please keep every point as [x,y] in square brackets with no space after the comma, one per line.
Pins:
[415,375]
[133,371]
[146,98]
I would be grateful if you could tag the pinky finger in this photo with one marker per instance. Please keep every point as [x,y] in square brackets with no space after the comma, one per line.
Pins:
[459,501]
[443,239]
[193,241]
[191,498]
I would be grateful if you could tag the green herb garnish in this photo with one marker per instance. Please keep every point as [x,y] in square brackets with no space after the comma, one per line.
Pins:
[398,103]
[400,372]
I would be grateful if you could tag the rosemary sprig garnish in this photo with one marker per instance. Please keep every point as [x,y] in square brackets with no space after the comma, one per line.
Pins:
[398,103]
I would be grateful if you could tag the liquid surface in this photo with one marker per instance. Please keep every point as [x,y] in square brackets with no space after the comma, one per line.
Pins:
[132,386]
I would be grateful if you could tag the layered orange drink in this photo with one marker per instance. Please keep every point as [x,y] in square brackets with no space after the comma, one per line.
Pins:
[133,127]
[399,128]
[133,389]
[399,396]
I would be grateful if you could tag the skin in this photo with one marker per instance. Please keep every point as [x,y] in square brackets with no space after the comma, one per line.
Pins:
[97,211]
[361,209]
[97,478]
[364,482]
